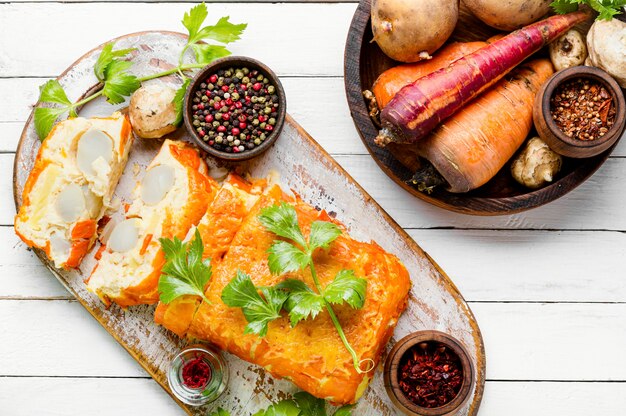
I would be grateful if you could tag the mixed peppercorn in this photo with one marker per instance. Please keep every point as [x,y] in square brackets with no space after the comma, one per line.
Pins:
[430,374]
[234,110]
[583,109]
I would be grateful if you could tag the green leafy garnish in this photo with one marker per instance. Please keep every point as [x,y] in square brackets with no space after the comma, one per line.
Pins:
[258,310]
[303,302]
[302,404]
[184,272]
[606,8]
[117,83]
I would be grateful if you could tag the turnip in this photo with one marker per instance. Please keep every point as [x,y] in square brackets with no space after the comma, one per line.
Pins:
[411,30]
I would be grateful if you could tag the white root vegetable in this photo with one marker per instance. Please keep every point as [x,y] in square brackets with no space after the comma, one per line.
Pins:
[606,42]
[536,165]
[411,30]
[508,14]
[568,50]
[152,111]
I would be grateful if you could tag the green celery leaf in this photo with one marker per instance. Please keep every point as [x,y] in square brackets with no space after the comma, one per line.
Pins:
[346,287]
[205,54]
[285,257]
[184,272]
[564,6]
[53,92]
[282,220]
[302,301]
[282,408]
[179,101]
[194,19]
[309,405]
[118,83]
[322,234]
[45,118]
[344,410]
[259,311]
[106,57]
[220,412]
[223,31]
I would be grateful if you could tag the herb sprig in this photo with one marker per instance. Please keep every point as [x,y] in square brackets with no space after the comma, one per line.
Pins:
[184,272]
[301,404]
[606,8]
[300,301]
[112,70]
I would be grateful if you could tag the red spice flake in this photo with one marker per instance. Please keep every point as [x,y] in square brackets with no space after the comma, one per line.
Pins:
[196,373]
[430,374]
[583,109]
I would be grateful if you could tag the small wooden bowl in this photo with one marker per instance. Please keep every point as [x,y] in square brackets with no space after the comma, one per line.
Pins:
[234,61]
[392,367]
[559,141]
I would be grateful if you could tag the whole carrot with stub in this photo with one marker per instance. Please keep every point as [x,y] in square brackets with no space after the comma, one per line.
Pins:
[469,148]
[419,107]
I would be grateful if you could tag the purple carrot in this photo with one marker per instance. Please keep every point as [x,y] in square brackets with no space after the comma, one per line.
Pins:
[419,107]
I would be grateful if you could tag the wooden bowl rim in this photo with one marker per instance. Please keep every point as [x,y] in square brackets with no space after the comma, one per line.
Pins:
[596,74]
[460,203]
[392,364]
[280,117]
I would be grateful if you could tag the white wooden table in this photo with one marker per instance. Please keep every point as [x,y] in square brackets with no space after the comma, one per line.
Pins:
[548,287]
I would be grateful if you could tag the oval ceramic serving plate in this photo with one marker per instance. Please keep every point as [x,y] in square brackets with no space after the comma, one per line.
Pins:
[364,62]
[303,166]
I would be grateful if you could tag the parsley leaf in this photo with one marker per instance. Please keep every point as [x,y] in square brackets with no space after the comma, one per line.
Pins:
[606,8]
[302,301]
[220,412]
[282,220]
[184,272]
[106,57]
[179,101]
[312,406]
[223,31]
[259,311]
[118,83]
[283,408]
[322,234]
[205,54]
[193,19]
[346,287]
[51,93]
[284,257]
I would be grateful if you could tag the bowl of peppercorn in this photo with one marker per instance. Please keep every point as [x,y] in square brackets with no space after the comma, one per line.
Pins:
[429,373]
[580,112]
[235,108]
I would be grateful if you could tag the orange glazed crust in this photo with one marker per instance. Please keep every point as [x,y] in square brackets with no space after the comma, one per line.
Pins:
[311,355]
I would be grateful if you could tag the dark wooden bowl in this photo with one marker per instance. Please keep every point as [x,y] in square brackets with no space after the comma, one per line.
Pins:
[392,367]
[559,141]
[364,61]
[231,61]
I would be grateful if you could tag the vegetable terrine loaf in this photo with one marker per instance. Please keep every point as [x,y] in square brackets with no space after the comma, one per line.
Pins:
[71,184]
[311,354]
[217,228]
[172,197]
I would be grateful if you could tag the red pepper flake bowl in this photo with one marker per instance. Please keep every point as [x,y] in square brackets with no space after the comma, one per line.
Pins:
[429,373]
[235,108]
[544,112]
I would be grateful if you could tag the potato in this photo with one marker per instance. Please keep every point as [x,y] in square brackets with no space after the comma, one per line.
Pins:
[568,50]
[152,112]
[508,14]
[411,30]
[606,41]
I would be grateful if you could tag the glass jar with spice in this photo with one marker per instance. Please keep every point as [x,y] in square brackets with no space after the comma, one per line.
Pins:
[198,375]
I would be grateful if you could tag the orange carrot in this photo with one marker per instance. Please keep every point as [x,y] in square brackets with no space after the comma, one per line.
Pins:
[474,144]
[392,80]
[419,107]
